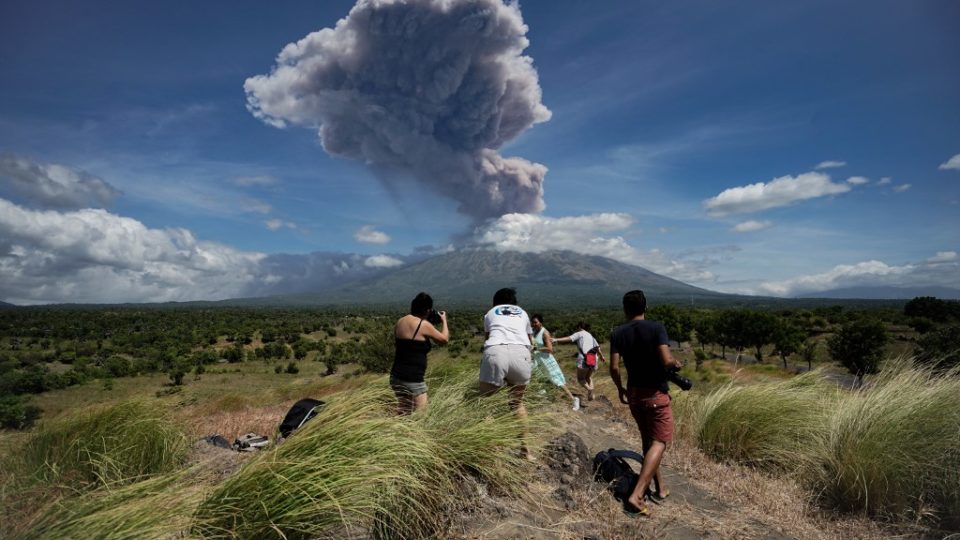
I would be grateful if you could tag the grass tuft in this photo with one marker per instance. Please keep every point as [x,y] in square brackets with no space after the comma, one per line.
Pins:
[105,446]
[357,467]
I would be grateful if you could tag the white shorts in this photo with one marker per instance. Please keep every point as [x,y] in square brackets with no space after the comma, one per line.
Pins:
[510,363]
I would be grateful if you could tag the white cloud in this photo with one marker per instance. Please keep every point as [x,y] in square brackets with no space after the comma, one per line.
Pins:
[54,186]
[752,226]
[943,256]
[382,261]
[92,255]
[588,234]
[277,224]
[262,180]
[368,235]
[902,187]
[885,180]
[839,276]
[830,164]
[858,180]
[782,191]
[951,164]
[942,270]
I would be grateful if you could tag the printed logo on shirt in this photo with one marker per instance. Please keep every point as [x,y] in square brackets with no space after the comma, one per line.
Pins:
[508,311]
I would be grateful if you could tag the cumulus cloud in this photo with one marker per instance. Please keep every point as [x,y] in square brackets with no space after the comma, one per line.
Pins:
[91,255]
[382,261]
[782,191]
[588,234]
[94,256]
[368,235]
[53,186]
[951,164]
[858,180]
[830,164]
[885,180]
[430,89]
[902,187]
[942,270]
[943,256]
[752,226]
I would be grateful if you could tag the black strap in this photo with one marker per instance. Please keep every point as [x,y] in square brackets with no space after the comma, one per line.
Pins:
[636,456]
[417,330]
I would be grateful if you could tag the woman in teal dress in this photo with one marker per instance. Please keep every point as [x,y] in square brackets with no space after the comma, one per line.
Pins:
[544,360]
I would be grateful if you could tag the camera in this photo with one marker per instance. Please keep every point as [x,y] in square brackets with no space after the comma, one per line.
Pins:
[674,376]
[434,317]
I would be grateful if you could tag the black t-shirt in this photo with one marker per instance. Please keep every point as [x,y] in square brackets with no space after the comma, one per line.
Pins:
[638,343]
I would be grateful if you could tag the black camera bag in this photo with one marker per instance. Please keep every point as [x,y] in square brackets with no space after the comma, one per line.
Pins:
[610,467]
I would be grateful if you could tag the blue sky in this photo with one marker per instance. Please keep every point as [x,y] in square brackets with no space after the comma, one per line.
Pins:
[132,168]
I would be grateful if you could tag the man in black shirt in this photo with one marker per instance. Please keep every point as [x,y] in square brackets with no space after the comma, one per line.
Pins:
[645,351]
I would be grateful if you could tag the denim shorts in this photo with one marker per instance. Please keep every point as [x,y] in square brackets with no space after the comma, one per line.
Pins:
[413,389]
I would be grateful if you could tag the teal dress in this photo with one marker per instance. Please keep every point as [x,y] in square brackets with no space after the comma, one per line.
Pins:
[545,363]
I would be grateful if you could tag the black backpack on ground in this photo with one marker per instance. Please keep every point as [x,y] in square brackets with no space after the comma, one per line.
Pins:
[610,467]
[299,414]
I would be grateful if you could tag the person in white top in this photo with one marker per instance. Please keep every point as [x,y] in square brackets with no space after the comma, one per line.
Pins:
[588,352]
[506,353]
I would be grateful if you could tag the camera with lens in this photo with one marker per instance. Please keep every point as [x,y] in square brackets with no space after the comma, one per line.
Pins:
[434,317]
[674,376]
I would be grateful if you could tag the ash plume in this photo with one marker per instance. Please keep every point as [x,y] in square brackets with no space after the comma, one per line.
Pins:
[423,88]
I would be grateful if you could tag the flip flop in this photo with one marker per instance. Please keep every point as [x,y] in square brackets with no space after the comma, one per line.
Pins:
[656,498]
[633,512]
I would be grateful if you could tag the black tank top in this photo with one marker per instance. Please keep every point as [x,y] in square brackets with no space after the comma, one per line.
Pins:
[410,358]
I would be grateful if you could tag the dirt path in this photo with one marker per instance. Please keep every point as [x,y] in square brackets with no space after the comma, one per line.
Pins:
[564,502]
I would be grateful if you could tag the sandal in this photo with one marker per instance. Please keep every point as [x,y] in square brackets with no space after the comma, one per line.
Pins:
[632,511]
[656,498]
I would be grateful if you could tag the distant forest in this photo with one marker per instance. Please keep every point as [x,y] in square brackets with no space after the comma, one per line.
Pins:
[47,348]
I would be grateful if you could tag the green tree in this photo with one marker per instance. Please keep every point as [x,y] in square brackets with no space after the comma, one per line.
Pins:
[858,346]
[759,328]
[678,322]
[929,307]
[940,348]
[787,339]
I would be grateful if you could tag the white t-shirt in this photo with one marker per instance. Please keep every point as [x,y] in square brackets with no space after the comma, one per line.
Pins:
[584,341]
[507,325]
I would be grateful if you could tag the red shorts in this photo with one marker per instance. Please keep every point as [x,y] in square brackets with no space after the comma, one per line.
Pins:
[651,409]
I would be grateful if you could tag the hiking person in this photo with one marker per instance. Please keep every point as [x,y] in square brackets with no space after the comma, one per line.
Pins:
[544,360]
[588,352]
[506,353]
[412,335]
[644,348]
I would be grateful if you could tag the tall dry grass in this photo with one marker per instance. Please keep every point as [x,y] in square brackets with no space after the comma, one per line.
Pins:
[358,467]
[889,449]
[894,448]
[106,445]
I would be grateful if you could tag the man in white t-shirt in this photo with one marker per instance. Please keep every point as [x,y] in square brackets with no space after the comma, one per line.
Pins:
[506,352]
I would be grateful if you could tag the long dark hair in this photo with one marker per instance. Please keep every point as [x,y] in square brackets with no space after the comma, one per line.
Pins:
[421,305]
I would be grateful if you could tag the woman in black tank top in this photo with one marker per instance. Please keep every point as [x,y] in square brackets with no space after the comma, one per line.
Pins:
[412,335]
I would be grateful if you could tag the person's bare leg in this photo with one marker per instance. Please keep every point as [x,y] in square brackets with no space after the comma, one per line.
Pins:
[651,465]
[657,480]
[420,401]
[584,378]
[487,389]
[404,403]
[567,391]
[516,403]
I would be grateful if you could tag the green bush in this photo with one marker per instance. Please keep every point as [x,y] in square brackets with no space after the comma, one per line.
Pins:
[16,413]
